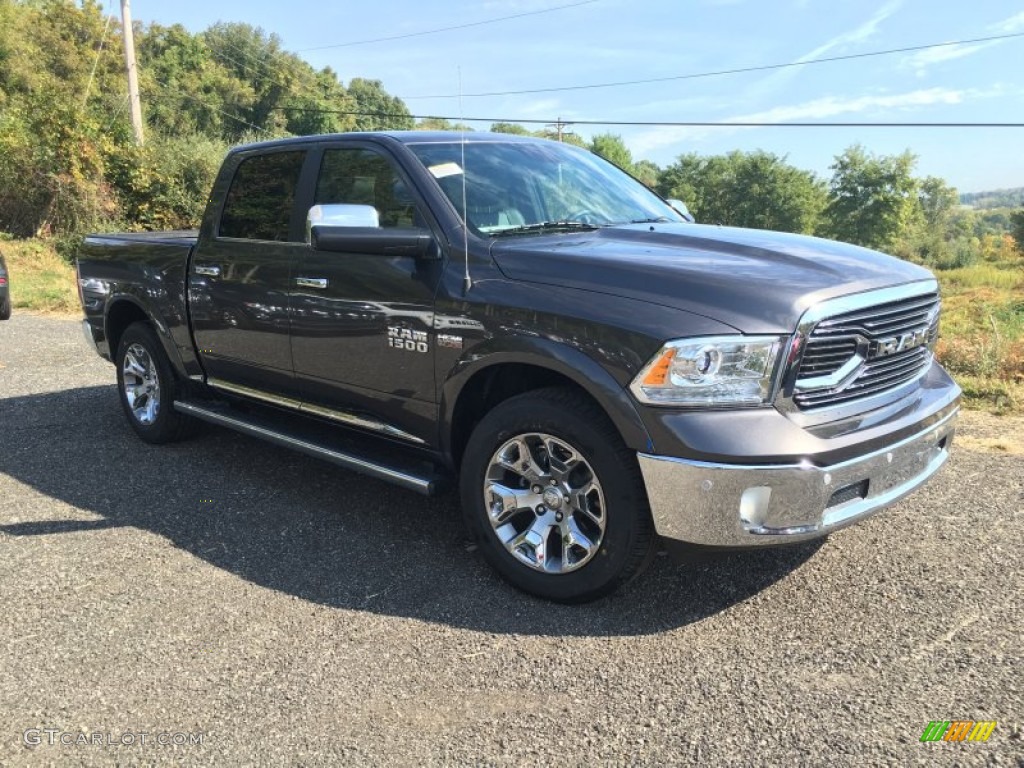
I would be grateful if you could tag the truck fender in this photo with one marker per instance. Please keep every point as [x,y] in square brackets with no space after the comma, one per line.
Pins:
[115,304]
[572,363]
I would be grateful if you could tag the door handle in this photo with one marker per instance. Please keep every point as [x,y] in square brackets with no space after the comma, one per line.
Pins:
[311,282]
[211,271]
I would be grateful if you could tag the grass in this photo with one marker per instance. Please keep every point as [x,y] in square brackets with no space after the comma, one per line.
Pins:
[981,342]
[40,280]
[982,333]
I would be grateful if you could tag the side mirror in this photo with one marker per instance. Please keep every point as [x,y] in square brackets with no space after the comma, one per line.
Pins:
[356,229]
[681,209]
[340,216]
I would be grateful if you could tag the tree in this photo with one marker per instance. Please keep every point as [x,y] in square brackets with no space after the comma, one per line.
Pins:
[268,74]
[746,189]
[613,149]
[936,232]
[378,110]
[57,93]
[1017,232]
[324,107]
[567,137]
[872,198]
[68,161]
[647,172]
[513,128]
[440,124]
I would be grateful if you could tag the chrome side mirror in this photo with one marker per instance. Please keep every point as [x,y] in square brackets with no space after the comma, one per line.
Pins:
[681,209]
[340,215]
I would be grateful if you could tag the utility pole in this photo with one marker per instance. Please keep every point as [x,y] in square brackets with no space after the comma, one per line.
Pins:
[558,125]
[133,71]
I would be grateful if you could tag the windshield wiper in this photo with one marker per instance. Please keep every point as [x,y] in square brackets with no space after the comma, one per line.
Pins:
[547,226]
[658,220]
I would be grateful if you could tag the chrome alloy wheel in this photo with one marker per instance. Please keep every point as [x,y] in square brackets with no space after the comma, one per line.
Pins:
[545,503]
[141,384]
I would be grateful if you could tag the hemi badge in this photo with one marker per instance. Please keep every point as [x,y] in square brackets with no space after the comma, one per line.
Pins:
[449,340]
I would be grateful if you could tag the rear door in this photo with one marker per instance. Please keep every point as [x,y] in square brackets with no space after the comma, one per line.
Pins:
[362,340]
[240,275]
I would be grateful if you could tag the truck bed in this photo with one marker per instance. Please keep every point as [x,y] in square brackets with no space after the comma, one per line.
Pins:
[149,270]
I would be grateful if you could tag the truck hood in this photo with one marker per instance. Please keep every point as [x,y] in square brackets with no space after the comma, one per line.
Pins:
[754,280]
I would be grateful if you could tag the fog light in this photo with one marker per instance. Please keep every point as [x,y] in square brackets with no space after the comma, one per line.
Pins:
[754,505]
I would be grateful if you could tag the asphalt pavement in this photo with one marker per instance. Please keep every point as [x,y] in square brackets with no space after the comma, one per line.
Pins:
[225,602]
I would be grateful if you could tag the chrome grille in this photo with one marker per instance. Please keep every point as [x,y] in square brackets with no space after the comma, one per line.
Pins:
[868,333]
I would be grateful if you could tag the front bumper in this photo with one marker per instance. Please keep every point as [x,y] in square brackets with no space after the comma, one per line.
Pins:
[731,505]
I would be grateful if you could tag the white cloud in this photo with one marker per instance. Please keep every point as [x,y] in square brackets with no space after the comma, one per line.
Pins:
[830,106]
[654,139]
[858,34]
[921,60]
[1010,25]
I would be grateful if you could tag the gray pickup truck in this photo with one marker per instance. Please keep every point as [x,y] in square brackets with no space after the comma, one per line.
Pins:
[522,318]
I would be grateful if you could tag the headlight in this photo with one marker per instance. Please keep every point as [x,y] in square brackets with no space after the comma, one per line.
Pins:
[715,370]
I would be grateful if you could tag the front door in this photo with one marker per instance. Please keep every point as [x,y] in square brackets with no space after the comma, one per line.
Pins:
[361,324]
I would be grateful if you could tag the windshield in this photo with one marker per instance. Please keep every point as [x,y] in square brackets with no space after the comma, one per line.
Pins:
[524,187]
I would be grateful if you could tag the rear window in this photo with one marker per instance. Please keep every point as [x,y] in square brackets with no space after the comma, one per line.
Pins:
[261,200]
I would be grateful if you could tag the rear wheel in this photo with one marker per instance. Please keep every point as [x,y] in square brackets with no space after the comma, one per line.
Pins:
[555,498]
[5,307]
[148,387]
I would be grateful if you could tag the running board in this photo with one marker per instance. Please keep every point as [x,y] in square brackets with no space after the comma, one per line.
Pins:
[417,480]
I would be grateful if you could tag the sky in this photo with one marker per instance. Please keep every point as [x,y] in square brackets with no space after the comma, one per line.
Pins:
[562,44]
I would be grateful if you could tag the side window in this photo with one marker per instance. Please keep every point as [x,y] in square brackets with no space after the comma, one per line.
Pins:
[261,200]
[365,177]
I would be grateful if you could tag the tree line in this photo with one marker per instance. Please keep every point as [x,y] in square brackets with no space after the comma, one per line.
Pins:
[68,160]
[875,201]
[69,163]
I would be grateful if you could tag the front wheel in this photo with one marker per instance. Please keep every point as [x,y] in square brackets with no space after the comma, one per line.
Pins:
[555,498]
[148,387]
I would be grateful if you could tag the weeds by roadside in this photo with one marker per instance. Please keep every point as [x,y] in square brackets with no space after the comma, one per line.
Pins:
[41,281]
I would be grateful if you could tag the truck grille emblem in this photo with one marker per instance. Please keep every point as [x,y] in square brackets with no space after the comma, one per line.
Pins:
[895,344]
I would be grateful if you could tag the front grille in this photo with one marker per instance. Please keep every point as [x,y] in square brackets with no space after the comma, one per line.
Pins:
[868,333]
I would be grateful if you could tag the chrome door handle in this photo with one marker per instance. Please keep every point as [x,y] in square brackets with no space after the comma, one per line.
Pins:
[213,271]
[311,282]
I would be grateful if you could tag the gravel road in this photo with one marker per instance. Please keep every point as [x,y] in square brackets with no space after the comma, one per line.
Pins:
[286,612]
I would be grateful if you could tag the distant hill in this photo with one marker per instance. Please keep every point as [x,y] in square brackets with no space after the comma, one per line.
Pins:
[996,198]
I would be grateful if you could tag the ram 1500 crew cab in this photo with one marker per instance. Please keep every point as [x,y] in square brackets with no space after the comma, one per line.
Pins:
[595,370]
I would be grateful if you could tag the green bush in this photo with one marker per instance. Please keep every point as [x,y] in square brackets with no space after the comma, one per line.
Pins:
[166,183]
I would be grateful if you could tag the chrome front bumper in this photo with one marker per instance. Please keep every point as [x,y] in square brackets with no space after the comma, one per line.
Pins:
[730,505]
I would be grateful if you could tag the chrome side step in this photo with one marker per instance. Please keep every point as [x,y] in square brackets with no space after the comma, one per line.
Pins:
[421,482]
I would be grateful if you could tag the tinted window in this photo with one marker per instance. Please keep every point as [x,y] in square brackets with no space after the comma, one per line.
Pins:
[365,177]
[260,202]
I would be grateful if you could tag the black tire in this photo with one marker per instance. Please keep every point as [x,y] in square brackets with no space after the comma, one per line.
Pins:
[626,544]
[153,417]
[5,307]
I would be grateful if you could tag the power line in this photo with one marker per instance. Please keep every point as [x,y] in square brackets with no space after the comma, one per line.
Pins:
[273,55]
[237,119]
[96,63]
[449,29]
[664,123]
[734,71]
